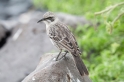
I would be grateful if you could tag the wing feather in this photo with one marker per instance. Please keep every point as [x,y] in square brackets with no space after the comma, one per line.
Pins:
[61,35]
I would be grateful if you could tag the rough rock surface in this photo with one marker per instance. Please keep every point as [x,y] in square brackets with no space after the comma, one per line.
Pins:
[22,51]
[49,70]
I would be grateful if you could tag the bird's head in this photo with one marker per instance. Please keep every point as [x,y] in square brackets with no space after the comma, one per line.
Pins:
[48,18]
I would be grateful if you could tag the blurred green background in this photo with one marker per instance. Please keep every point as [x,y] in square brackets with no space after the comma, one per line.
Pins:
[102,52]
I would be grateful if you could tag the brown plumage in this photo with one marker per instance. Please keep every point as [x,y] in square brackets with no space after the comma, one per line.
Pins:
[63,39]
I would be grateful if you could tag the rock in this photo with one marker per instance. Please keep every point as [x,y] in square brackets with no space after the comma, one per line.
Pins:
[49,70]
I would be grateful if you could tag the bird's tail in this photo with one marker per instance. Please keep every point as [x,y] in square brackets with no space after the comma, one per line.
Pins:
[80,65]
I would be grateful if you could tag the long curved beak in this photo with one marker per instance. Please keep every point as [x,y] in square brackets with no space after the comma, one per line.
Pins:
[41,20]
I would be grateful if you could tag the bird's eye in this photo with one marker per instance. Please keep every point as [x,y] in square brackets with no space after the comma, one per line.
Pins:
[51,19]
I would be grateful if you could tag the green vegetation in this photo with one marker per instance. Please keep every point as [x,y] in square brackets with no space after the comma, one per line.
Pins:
[103,53]
[108,11]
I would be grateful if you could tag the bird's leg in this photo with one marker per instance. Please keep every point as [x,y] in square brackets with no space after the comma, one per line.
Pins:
[64,55]
[58,55]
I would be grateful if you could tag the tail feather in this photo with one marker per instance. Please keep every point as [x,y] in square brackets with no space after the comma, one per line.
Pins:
[80,65]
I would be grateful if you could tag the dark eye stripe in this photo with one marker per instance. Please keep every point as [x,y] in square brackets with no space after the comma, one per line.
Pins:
[51,19]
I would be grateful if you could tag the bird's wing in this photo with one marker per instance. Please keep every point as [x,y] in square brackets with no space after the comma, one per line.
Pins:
[60,34]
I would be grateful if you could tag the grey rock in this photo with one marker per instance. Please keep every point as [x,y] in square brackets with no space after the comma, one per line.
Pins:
[49,70]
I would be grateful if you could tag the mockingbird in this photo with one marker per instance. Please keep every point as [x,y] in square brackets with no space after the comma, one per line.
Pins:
[63,39]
